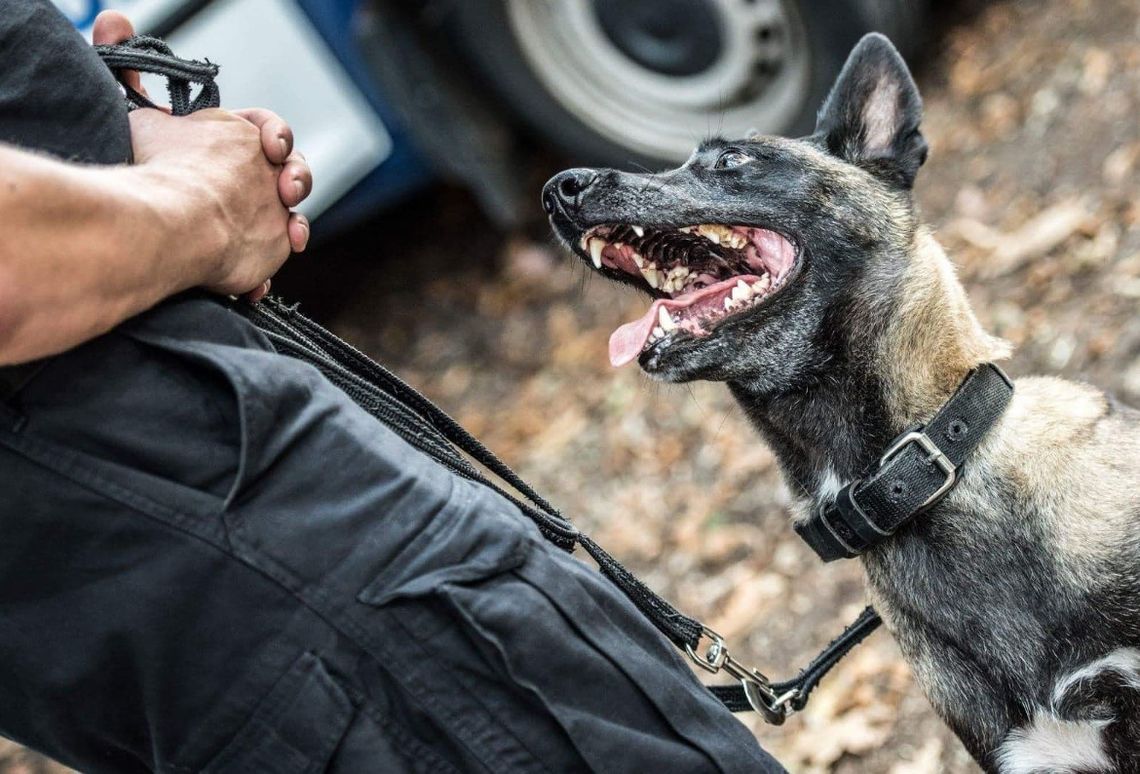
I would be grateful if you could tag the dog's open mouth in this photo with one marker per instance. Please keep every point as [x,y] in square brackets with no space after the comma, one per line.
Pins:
[701,275]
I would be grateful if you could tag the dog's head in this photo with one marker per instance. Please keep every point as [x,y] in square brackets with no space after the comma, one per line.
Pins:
[756,250]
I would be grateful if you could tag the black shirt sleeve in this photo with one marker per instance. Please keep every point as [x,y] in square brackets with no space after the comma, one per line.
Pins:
[56,96]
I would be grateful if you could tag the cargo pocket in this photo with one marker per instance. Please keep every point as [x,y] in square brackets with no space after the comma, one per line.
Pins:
[156,425]
[200,371]
[468,540]
[295,728]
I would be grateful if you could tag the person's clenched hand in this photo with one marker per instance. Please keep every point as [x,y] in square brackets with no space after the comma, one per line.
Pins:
[241,173]
[215,161]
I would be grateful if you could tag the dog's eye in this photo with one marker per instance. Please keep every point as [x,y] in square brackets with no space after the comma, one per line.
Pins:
[730,159]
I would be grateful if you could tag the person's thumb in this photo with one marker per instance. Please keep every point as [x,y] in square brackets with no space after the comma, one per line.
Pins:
[112,27]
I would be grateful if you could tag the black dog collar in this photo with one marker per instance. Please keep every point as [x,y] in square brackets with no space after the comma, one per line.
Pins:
[917,470]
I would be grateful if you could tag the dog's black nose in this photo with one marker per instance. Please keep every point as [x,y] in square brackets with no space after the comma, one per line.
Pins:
[565,189]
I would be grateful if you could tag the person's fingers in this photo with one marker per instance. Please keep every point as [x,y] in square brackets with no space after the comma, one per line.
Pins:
[276,136]
[298,228]
[261,292]
[113,27]
[295,181]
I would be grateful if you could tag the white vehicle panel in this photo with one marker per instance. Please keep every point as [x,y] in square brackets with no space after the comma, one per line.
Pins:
[272,57]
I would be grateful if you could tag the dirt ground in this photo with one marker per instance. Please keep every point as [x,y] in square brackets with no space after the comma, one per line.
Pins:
[1033,185]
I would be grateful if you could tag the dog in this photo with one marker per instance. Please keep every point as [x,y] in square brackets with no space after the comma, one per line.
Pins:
[797,271]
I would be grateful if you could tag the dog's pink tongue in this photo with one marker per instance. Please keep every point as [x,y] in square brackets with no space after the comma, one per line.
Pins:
[627,341]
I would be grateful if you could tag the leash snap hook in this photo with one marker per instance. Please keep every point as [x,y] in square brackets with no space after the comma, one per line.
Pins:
[715,657]
[757,687]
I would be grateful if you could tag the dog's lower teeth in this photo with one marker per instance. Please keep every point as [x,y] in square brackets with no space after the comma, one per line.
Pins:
[665,320]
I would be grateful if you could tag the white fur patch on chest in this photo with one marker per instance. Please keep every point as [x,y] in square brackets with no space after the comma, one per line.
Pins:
[1052,744]
[829,486]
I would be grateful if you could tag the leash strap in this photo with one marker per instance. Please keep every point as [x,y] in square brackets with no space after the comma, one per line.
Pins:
[918,469]
[794,693]
[151,55]
[427,428]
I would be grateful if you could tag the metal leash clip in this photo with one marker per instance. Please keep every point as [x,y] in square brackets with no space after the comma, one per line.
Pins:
[757,687]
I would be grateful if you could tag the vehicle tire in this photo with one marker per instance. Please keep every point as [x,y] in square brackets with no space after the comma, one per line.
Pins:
[631,83]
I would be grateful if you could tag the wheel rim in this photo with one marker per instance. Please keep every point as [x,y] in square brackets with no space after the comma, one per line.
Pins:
[758,80]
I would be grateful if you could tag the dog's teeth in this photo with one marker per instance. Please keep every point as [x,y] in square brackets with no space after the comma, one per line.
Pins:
[665,319]
[686,229]
[741,291]
[650,274]
[727,303]
[659,332]
[719,235]
[638,230]
[596,246]
[637,259]
[761,285]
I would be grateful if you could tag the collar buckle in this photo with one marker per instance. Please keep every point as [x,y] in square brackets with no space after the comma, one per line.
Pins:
[871,509]
[934,454]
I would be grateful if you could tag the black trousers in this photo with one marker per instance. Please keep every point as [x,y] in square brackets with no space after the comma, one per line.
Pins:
[211,560]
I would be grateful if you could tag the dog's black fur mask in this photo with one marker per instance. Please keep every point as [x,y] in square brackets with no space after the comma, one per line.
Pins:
[797,272]
[815,192]
[841,198]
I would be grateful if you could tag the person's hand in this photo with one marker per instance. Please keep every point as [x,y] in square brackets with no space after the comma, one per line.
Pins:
[229,158]
[214,162]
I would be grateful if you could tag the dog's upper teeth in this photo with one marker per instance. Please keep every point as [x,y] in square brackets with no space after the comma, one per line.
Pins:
[638,230]
[741,291]
[649,271]
[719,235]
[637,259]
[596,246]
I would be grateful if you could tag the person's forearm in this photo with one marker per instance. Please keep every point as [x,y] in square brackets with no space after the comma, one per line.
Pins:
[84,248]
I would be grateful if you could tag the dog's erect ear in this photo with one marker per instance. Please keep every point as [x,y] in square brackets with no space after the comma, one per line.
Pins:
[872,114]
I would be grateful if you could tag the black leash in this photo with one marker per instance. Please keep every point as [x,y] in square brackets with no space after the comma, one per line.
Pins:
[428,428]
[151,55]
[423,425]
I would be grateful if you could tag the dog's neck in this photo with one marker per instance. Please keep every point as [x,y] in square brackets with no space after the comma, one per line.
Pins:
[896,367]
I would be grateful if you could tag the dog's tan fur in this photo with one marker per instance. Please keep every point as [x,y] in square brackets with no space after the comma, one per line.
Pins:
[1015,598]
